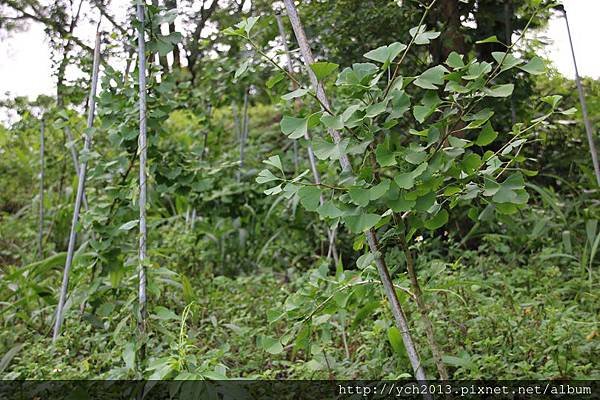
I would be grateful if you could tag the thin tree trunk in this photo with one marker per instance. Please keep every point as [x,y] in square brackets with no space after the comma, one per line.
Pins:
[586,120]
[41,208]
[424,310]
[142,146]
[80,191]
[332,250]
[400,318]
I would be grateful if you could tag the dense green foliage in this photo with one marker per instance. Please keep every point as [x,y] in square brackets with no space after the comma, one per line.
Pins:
[498,216]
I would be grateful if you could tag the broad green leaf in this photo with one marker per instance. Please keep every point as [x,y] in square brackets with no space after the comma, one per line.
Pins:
[552,100]
[400,104]
[362,222]
[249,24]
[395,339]
[164,313]
[274,80]
[421,112]
[325,150]
[385,54]
[425,202]
[358,75]
[451,190]
[332,121]
[379,190]
[415,155]
[323,69]
[329,210]
[455,60]
[457,142]
[405,180]
[499,90]
[270,345]
[275,161]
[487,135]
[535,66]
[129,225]
[477,70]
[491,39]
[294,127]
[265,176]
[310,197]
[365,260]
[375,109]
[296,93]
[508,60]
[129,355]
[471,163]
[274,190]
[432,77]
[240,71]
[481,116]
[384,157]
[421,35]
[511,190]
[437,221]
[360,196]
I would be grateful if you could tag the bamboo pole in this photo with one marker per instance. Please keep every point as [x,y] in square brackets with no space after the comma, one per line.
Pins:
[142,148]
[41,207]
[80,190]
[586,120]
[398,313]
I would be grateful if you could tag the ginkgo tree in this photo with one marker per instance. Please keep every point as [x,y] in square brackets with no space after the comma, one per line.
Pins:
[424,145]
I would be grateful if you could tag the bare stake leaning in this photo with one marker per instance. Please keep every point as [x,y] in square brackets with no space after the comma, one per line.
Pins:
[400,318]
[80,191]
[40,243]
[142,146]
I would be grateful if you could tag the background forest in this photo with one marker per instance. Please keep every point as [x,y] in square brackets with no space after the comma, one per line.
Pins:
[461,167]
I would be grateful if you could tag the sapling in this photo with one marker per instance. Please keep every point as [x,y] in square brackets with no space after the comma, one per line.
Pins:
[409,179]
[370,235]
[80,190]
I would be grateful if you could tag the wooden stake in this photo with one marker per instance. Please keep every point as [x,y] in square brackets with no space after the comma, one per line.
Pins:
[41,208]
[142,148]
[400,318]
[80,191]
